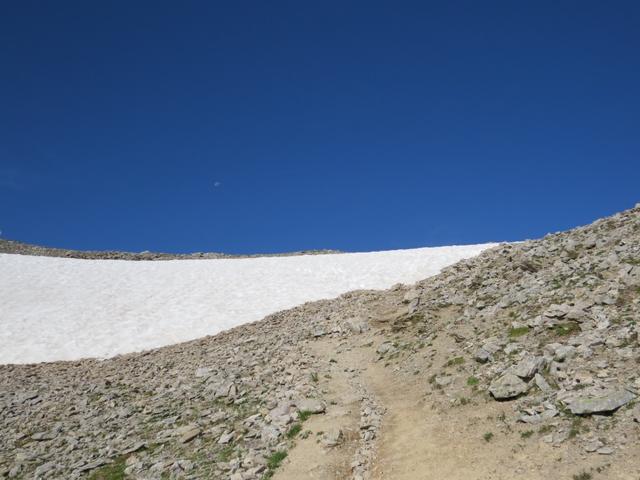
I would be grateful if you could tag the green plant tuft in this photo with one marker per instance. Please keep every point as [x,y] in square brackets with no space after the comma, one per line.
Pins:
[518,332]
[294,430]
[565,329]
[454,362]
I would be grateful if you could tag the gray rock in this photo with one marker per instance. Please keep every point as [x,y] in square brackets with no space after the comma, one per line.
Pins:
[332,438]
[542,384]
[311,405]
[357,324]
[188,433]
[43,436]
[482,356]
[592,446]
[93,465]
[319,331]
[385,347]
[507,386]
[203,372]
[528,366]
[225,438]
[443,381]
[45,468]
[607,401]
[605,451]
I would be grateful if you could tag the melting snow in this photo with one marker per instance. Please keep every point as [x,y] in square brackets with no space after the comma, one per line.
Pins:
[66,309]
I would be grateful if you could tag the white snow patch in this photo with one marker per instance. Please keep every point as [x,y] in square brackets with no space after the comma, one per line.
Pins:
[66,309]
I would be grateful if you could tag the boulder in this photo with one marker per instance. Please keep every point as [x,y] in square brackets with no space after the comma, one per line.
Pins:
[603,402]
[507,386]
[528,366]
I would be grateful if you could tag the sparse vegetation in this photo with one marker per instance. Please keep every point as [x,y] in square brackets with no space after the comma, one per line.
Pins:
[294,430]
[582,476]
[454,362]
[577,427]
[112,471]
[566,329]
[226,453]
[488,436]
[544,429]
[273,462]
[303,415]
[526,433]
[516,332]
[556,284]
[472,381]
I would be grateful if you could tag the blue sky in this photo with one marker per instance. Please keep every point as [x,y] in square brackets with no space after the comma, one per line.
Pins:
[278,126]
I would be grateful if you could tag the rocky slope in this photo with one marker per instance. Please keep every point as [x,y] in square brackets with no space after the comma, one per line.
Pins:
[523,362]
[19,248]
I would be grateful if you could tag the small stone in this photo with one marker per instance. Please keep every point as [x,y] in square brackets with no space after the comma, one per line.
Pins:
[482,356]
[45,468]
[357,324]
[225,438]
[384,348]
[332,438]
[592,446]
[507,386]
[605,451]
[311,405]
[43,436]
[93,465]
[542,384]
[528,366]
[189,433]
[28,395]
[203,372]
[319,332]
[443,381]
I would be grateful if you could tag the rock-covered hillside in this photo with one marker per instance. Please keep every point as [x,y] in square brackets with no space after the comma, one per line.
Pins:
[523,362]
[20,248]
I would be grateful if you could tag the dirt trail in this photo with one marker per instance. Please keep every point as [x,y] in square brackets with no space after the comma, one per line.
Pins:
[425,435]
[415,442]
[309,460]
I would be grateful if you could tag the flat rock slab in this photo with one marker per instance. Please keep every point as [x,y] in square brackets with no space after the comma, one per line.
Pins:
[605,402]
[311,405]
[188,433]
[507,386]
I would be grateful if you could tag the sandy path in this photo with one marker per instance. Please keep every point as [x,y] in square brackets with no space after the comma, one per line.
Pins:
[309,459]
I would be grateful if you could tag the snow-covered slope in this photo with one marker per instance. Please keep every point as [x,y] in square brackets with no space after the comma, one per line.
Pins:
[66,309]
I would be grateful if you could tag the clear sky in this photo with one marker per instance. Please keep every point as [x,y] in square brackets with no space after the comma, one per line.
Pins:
[275,126]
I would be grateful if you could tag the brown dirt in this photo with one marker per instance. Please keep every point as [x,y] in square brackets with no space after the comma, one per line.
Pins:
[425,437]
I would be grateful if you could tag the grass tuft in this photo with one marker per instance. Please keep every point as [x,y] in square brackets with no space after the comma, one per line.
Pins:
[518,332]
[454,362]
[303,415]
[566,329]
[294,430]
[273,462]
[113,471]
[583,476]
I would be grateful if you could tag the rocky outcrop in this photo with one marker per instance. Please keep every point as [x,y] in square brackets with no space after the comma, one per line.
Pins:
[19,248]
